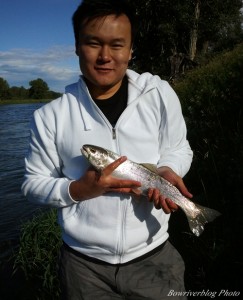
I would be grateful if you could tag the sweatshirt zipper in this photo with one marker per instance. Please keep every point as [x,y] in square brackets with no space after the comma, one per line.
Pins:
[106,121]
[104,118]
[113,133]
[122,230]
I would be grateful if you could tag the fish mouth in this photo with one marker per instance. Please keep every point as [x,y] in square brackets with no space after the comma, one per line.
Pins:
[87,150]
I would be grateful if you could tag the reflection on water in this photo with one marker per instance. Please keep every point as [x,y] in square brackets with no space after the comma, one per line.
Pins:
[14,136]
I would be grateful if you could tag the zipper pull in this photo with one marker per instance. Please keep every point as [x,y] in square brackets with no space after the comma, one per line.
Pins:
[113,133]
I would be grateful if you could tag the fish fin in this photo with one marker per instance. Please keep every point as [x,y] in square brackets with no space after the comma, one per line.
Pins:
[203,215]
[150,167]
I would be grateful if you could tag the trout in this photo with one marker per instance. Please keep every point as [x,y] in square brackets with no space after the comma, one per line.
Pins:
[197,215]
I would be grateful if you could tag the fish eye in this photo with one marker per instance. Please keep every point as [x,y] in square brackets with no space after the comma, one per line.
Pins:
[92,150]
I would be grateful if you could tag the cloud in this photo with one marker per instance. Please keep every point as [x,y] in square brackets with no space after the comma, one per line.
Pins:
[58,66]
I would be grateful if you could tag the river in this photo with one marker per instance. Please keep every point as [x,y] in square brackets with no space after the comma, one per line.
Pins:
[14,137]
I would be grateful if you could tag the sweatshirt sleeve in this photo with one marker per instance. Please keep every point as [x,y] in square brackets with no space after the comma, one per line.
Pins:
[43,180]
[174,146]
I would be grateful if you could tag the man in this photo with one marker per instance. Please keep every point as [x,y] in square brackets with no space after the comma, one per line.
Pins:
[115,243]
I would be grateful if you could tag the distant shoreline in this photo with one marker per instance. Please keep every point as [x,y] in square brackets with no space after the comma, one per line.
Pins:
[24,101]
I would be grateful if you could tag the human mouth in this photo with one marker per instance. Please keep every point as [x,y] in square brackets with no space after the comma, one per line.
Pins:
[103,70]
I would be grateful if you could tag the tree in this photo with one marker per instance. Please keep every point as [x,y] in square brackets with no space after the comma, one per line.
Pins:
[194,31]
[19,92]
[219,24]
[157,36]
[182,28]
[38,89]
[4,89]
[53,95]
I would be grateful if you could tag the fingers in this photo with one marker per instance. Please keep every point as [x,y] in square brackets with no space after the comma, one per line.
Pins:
[111,167]
[176,180]
[115,184]
[121,184]
[94,183]
[133,191]
[160,201]
[154,196]
[170,205]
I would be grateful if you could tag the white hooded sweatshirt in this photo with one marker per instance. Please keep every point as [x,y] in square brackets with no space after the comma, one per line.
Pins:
[115,228]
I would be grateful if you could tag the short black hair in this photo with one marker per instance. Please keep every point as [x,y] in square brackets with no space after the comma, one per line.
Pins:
[92,9]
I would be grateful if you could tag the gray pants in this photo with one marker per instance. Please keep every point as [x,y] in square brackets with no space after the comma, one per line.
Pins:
[152,277]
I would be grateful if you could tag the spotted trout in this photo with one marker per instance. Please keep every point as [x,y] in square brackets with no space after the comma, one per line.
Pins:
[197,215]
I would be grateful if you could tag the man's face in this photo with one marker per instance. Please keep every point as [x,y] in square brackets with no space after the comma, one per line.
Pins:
[104,50]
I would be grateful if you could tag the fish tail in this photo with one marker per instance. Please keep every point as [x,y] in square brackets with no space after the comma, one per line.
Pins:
[200,217]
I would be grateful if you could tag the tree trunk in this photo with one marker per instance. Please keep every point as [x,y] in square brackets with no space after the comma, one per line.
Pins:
[205,47]
[194,31]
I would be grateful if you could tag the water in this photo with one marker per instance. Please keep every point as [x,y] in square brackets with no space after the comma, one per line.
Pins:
[14,138]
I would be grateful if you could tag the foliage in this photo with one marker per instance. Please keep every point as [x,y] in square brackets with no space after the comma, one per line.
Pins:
[18,92]
[220,23]
[166,28]
[38,255]
[4,89]
[38,90]
[52,95]
[212,104]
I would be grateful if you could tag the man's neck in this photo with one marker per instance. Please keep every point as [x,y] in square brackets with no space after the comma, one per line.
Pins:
[102,93]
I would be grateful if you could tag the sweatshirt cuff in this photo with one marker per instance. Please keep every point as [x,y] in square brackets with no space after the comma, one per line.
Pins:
[65,197]
[69,195]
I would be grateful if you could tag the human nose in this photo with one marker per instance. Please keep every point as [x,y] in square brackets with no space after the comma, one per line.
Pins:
[104,54]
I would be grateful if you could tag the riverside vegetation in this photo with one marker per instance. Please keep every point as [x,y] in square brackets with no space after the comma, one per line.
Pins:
[211,98]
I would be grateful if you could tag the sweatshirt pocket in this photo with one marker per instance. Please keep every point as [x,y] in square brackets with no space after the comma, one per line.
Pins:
[72,221]
[93,224]
[70,211]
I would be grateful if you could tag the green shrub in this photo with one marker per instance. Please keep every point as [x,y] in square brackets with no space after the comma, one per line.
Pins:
[211,98]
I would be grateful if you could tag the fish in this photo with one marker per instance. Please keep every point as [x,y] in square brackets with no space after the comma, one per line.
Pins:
[197,215]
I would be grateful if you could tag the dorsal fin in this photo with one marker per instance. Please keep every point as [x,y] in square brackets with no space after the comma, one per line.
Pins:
[150,167]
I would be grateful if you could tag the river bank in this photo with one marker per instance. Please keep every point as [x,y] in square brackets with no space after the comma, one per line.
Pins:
[23,101]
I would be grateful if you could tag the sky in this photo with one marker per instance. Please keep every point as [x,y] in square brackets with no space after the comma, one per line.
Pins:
[37,41]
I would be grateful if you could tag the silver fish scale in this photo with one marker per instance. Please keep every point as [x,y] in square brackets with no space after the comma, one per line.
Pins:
[197,215]
[149,179]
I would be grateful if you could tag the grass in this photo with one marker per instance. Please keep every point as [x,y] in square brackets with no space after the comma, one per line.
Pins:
[37,256]
[23,101]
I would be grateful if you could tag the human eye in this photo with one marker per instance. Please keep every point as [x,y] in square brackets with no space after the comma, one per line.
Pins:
[93,44]
[91,41]
[117,44]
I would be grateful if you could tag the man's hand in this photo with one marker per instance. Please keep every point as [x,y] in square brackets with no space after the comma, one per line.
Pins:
[93,184]
[161,201]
